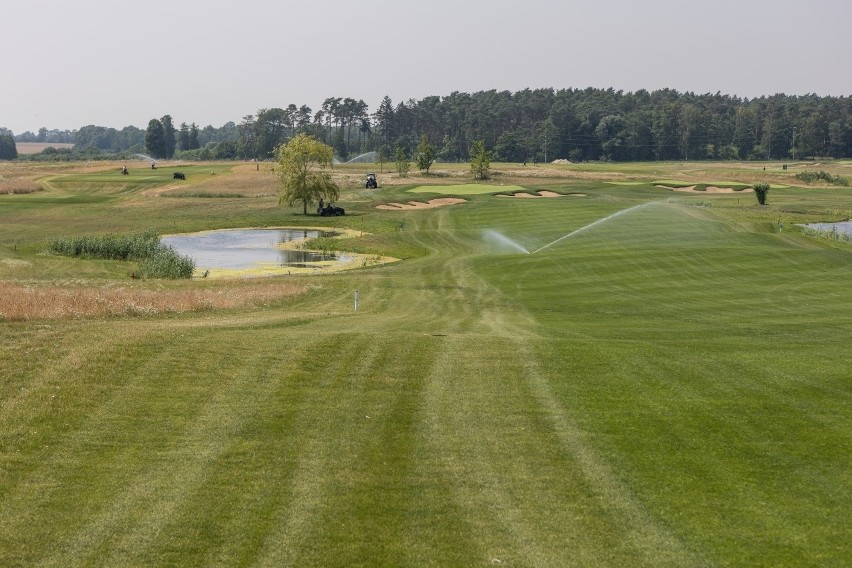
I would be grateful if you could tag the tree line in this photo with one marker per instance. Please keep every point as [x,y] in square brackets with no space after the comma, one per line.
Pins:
[528,125]
[579,125]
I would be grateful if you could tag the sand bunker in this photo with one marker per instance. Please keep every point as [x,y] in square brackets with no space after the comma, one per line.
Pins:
[524,195]
[431,204]
[707,189]
[714,189]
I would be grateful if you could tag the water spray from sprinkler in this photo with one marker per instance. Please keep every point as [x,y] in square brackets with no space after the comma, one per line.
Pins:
[501,241]
[598,222]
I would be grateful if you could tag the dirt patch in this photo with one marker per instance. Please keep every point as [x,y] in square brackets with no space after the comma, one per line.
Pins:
[545,193]
[431,204]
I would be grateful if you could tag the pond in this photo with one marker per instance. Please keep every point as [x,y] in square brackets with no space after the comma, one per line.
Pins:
[842,227]
[247,249]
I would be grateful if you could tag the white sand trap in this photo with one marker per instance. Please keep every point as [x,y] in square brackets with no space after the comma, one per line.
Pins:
[544,193]
[714,189]
[686,189]
[707,189]
[431,204]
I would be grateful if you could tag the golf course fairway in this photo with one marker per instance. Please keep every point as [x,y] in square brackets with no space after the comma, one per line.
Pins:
[664,382]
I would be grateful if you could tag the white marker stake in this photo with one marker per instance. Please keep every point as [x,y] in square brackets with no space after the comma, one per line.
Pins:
[356,300]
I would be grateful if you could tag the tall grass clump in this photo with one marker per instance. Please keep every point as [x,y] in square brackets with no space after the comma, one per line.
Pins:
[109,247]
[810,177]
[156,260]
[323,244]
[166,263]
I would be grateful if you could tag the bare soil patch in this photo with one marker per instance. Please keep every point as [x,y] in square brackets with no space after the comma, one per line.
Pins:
[431,204]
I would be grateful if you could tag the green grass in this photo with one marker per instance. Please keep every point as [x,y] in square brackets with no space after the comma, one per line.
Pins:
[669,387]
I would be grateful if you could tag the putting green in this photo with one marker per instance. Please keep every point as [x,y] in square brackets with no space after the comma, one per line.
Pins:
[464,189]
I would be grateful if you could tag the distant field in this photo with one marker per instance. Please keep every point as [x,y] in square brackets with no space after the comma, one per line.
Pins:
[664,381]
[36,147]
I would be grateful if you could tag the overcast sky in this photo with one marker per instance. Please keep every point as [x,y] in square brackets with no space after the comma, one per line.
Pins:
[115,63]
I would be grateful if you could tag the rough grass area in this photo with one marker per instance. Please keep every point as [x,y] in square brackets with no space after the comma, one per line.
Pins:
[37,301]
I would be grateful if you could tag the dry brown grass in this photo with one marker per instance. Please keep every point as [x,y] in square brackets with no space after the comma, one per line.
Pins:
[23,177]
[248,180]
[17,179]
[348,177]
[33,301]
[19,185]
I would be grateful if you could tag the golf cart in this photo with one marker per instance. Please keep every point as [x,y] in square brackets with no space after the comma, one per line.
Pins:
[330,211]
[371,182]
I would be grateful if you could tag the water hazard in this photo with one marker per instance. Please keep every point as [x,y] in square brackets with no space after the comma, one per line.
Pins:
[240,249]
[841,227]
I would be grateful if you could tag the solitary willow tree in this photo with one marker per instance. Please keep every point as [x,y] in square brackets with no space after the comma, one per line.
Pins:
[302,170]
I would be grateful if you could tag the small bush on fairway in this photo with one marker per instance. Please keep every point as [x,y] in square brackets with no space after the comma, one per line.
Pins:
[760,191]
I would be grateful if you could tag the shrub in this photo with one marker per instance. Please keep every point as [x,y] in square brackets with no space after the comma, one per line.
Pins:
[810,177]
[760,191]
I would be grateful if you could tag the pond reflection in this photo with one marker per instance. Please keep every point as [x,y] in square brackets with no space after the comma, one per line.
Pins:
[235,249]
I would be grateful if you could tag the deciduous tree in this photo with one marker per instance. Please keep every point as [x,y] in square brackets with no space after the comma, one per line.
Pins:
[480,160]
[302,164]
[402,163]
[169,141]
[424,156]
[8,149]
[155,139]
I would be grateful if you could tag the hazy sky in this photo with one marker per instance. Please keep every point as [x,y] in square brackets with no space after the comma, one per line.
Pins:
[115,63]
